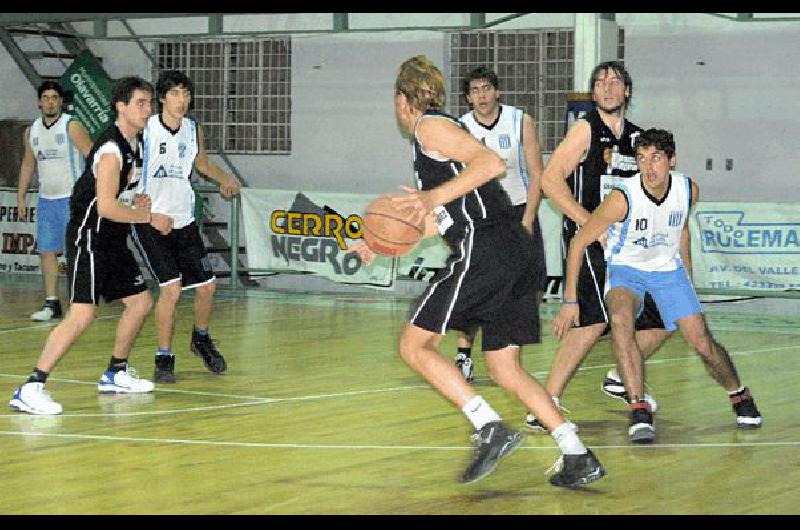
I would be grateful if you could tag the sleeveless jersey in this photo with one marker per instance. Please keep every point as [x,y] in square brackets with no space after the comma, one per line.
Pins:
[58,162]
[86,228]
[504,137]
[608,161]
[167,165]
[649,237]
[482,206]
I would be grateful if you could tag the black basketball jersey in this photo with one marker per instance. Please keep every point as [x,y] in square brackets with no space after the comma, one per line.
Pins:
[482,206]
[86,228]
[607,160]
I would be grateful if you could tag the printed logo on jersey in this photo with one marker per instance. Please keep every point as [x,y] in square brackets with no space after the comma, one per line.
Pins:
[160,173]
[658,240]
[60,138]
[675,218]
[40,156]
[162,148]
[505,141]
[181,150]
[634,136]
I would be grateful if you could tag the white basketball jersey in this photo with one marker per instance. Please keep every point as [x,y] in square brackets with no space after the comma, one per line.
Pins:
[505,139]
[166,166]
[58,161]
[649,238]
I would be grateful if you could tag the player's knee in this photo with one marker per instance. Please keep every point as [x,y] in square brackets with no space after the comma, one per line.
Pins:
[170,293]
[140,304]
[207,290]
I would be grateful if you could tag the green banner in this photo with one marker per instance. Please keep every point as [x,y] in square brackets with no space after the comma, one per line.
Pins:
[91,93]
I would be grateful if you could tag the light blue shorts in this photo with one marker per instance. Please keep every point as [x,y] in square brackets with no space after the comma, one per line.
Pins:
[672,291]
[51,224]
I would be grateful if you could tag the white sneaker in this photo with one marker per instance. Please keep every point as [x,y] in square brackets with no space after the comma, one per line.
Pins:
[536,425]
[613,387]
[43,315]
[34,399]
[123,381]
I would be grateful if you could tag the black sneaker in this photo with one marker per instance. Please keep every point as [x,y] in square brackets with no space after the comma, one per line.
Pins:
[577,470]
[613,387]
[747,415]
[164,371]
[51,309]
[641,429]
[464,364]
[495,441]
[203,346]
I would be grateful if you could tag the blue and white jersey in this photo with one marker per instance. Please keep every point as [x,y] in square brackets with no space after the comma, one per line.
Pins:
[58,162]
[649,237]
[167,164]
[504,137]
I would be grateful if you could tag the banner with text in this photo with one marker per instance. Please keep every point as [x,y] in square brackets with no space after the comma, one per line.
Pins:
[91,93]
[746,246]
[19,253]
[292,231]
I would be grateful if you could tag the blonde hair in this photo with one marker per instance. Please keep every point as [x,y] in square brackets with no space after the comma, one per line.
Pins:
[422,83]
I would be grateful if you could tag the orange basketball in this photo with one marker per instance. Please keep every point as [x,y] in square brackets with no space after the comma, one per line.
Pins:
[388,230]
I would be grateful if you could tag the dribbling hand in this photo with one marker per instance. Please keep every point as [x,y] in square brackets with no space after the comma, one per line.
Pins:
[359,247]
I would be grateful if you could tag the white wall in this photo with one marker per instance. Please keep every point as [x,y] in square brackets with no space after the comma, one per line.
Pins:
[740,103]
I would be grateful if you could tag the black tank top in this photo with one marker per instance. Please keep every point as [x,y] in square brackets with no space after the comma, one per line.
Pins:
[482,206]
[86,228]
[607,157]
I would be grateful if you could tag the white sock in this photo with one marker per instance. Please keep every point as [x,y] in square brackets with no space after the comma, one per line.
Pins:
[479,412]
[737,391]
[51,298]
[567,440]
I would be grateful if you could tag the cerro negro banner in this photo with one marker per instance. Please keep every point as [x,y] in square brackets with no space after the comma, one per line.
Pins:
[91,93]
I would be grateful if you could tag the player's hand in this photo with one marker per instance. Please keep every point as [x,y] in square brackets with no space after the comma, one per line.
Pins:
[567,317]
[22,208]
[359,247]
[161,222]
[527,224]
[416,201]
[142,201]
[229,188]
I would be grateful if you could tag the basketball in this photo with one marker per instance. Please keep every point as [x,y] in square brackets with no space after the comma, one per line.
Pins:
[388,229]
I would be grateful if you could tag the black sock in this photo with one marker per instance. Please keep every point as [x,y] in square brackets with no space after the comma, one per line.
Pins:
[37,376]
[466,351]
[117,365]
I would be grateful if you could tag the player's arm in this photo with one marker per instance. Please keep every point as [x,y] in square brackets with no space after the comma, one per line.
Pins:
[686,241]
[228,185]
[613,209]
[80,138]
[563,162]
[444,139]
[25,174]
[107,185]
[532,152]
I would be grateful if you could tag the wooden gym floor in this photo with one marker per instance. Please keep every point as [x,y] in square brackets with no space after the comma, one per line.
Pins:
[317,415]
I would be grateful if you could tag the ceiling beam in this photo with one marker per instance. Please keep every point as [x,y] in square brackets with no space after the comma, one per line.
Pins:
[30,18]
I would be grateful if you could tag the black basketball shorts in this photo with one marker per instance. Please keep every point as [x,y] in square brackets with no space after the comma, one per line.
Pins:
[111,273]
[539,270]
[487,282]
[177,256]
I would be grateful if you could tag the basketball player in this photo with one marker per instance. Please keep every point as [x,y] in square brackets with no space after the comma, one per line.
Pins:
[511,133]
[597,152]
[484,282]
[648,216]
[98,259]
[55,145]
[174,144]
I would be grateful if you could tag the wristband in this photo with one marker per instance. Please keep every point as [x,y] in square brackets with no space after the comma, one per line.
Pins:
[569,302]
